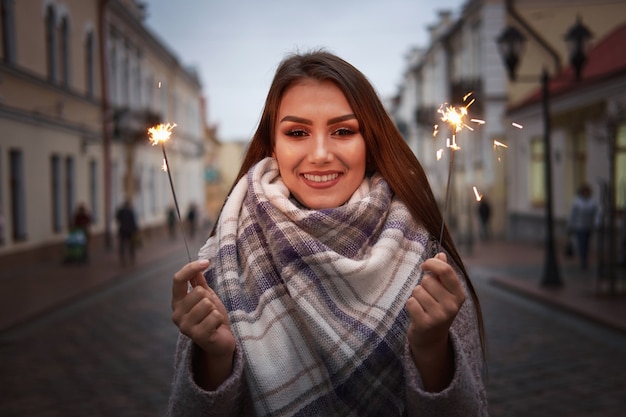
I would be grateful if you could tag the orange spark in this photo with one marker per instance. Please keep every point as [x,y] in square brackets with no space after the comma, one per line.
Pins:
[496,144]
[478,196]
[517,125]
[160,133]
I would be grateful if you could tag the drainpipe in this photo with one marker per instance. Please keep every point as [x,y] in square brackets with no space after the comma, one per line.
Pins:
[106,121]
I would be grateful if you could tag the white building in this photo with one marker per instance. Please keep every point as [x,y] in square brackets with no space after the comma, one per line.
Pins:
[80,83]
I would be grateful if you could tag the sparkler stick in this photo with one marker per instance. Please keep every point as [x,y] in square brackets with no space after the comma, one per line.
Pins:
[445,204]
[159,135]
[456,118]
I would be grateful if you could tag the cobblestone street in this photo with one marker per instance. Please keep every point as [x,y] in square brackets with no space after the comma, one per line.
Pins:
[544,362]
[108,355]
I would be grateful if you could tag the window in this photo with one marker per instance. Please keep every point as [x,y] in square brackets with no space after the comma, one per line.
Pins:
[93,189]
[69,189]
[7,22]
[89,64]
[537,169]
[55,176]
[620,168]
[149,96]
[51,40]
[64,51]
[113,67]
[152,189]
[579,159]
[125,77]
[18,206]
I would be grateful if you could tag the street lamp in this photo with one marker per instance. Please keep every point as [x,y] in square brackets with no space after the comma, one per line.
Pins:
[577,40]
[510,44]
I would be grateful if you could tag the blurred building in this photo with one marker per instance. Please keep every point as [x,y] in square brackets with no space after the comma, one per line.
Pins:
[458,69]
[587,116]
[81,81]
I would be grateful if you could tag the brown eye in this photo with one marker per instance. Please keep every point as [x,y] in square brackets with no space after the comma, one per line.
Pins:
[296,133]
[343,132]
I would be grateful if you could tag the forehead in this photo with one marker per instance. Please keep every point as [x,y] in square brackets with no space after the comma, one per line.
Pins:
[312,93]
[311,82]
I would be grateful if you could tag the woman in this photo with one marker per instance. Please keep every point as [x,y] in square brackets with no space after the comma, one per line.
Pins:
[320,295]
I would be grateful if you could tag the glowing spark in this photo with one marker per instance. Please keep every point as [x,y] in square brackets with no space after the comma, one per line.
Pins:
[479,121]
[439,154]
[159,84]
[478,196]
[453,116]
[496,144]
[164,166]
[160,133]
[436,130]
[517,125]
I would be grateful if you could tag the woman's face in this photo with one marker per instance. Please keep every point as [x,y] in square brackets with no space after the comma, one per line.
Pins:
[318,145]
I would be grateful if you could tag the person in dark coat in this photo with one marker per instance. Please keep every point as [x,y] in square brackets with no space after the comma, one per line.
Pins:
[127,229]
[484,213]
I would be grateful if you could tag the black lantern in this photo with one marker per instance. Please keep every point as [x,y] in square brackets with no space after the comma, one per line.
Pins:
[511,45]
[577,40]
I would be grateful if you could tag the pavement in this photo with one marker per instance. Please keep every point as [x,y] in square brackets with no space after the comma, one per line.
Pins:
[519,267]
[30,291]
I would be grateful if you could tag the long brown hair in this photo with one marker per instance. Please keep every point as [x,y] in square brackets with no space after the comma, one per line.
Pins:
[387,152]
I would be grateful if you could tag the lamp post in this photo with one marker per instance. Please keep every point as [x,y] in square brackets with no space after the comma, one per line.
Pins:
[511,44]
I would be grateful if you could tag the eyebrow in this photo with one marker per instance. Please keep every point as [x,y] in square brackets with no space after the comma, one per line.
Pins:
[302,120]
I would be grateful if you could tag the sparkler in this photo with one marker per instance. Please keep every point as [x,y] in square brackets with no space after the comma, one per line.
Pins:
[159,135]
[457,120]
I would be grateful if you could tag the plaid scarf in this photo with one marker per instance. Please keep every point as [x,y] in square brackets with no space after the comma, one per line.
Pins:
[316,297]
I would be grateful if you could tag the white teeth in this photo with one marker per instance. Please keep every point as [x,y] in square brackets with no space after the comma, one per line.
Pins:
[321,178]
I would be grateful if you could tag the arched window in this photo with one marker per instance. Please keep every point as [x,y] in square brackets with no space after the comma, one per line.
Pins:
[51,41]
[89,64]
[64,50]
[7,22]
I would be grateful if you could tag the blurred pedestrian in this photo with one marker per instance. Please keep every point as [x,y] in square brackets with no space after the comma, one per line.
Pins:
[171,222]
[82,222]
[484,214]
[127,232]
[192,215]
[584,217]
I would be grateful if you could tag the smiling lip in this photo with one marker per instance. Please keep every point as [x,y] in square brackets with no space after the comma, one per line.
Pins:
[321,180]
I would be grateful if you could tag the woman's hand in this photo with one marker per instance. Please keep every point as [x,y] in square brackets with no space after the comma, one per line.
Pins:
[201,315]
[432,307]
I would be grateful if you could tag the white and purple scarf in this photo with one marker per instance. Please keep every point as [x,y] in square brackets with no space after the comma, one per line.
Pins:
[316,298]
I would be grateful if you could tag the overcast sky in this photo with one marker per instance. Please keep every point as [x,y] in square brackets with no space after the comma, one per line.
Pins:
[236,45]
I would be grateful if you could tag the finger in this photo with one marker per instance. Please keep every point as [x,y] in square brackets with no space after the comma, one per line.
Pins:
[424,298]
[444,272]
[431,285]
[185,275]
[442,257]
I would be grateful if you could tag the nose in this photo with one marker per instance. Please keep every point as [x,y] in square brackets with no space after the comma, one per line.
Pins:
[322,149]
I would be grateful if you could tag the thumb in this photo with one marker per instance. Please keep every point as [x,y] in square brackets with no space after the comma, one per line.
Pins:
[198,280]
